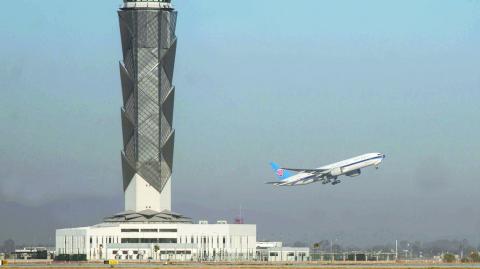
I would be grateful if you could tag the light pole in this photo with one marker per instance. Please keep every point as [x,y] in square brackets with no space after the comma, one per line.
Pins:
[396,250]
[331,250]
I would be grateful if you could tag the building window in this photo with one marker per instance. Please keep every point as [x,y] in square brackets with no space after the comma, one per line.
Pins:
[148,240]
[130,230]
[130,240]
[168,230]
[149,230]
[167,240]
[273,254]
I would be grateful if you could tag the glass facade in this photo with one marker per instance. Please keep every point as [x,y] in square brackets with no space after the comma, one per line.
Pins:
[149,48]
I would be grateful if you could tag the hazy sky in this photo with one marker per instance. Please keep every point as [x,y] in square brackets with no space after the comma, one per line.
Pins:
[303,83]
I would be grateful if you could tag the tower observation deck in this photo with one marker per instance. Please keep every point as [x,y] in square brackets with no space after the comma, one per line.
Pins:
[163,4]
[149,47]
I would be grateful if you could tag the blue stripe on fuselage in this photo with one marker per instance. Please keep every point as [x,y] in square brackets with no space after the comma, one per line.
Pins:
[373,158]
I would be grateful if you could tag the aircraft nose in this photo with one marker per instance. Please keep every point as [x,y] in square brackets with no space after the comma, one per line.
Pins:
[384,156]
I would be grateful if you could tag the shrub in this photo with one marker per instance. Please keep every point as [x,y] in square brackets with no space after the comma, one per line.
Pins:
[474,257]
[74,257]
[448,258]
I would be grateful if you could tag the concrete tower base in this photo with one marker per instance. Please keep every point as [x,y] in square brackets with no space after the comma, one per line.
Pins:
[140,195]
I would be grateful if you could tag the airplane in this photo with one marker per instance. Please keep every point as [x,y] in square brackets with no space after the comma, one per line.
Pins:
[325,174]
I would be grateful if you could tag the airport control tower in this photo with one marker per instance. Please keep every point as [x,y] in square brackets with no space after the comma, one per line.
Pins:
[149,46]
[148,42]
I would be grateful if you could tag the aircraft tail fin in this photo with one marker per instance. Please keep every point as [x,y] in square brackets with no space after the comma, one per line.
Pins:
[280,173]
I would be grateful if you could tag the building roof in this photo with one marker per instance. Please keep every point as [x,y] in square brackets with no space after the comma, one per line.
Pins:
[147,216]
[288,249]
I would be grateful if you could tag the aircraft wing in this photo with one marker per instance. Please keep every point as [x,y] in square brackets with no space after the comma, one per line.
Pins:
[311,171]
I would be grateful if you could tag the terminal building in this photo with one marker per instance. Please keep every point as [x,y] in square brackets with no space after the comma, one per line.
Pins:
[276,252]
[148,229]
[149,235]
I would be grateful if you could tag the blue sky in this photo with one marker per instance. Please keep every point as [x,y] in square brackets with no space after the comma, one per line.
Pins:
[302,83]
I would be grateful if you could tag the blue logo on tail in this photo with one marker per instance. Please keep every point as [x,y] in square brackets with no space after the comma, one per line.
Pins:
[281,174]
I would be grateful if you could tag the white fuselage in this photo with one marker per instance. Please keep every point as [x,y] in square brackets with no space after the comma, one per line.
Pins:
[351,167]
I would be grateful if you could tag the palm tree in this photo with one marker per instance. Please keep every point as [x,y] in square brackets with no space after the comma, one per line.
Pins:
[156,248]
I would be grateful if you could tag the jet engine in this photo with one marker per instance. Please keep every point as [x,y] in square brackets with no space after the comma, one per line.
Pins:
[354,173]
[336,172]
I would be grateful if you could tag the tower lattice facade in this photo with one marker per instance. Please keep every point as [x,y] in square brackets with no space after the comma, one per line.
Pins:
[149,47]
